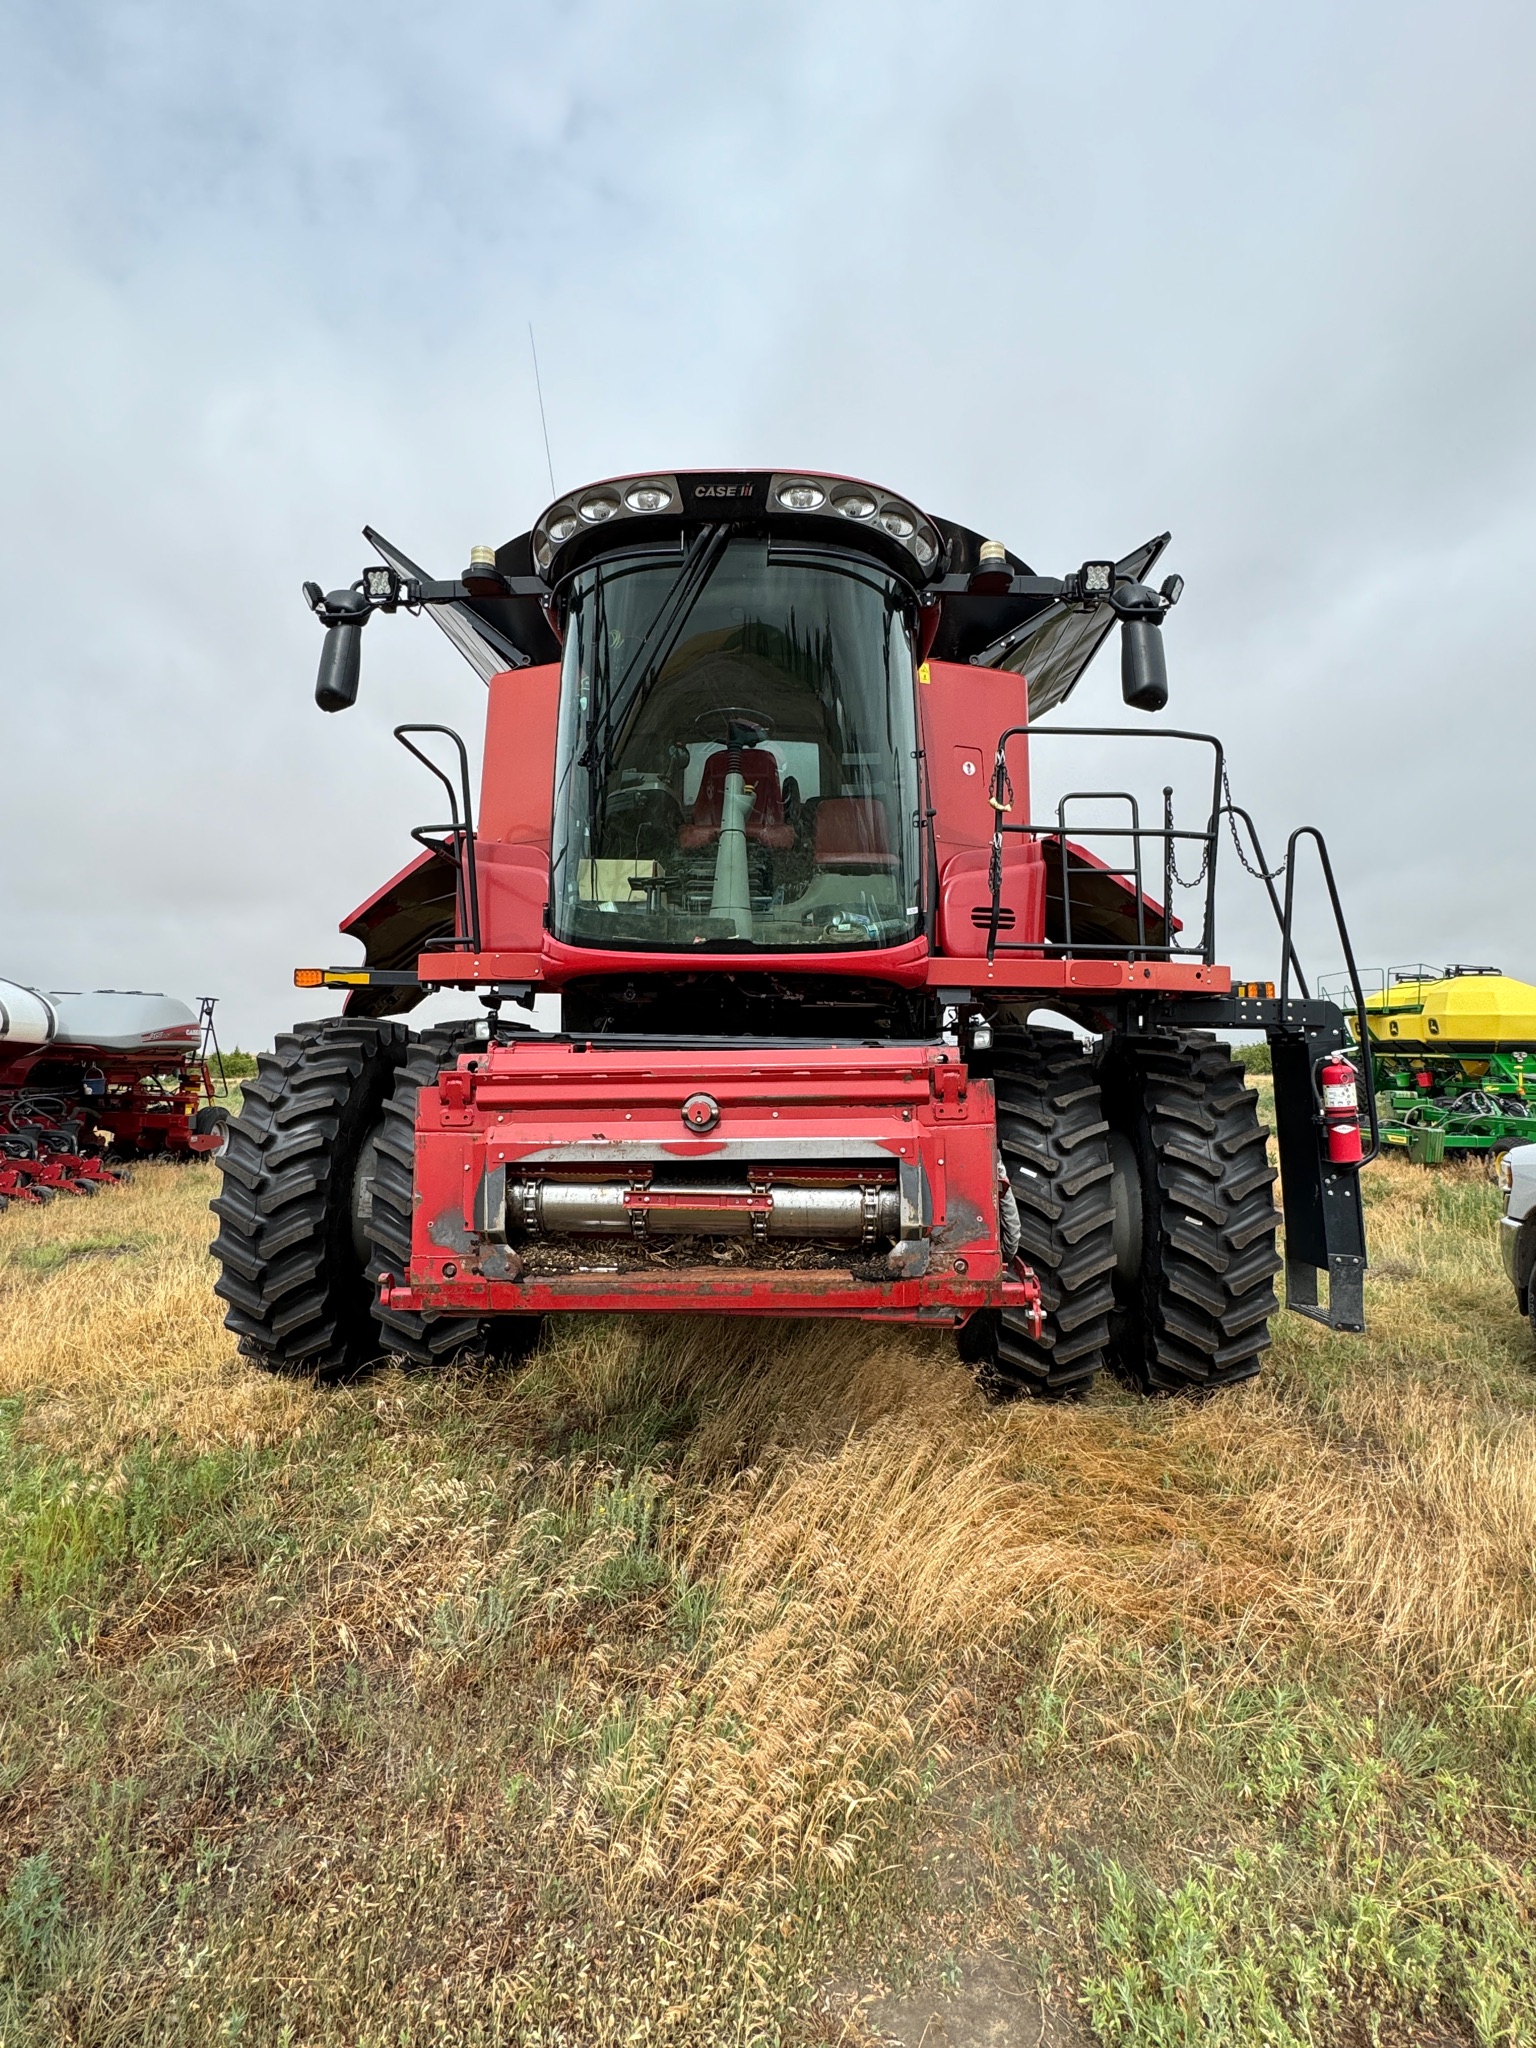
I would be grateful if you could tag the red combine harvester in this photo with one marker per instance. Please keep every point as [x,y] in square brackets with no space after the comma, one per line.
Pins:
[87,1078]
[756,803]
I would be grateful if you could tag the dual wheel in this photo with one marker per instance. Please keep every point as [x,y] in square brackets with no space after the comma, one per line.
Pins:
[317,1201]
[1140,1177]
[1142,1183]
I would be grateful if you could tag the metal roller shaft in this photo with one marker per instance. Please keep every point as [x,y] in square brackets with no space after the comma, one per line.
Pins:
[555,1208]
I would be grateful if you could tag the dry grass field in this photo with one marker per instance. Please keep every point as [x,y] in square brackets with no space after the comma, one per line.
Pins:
[733,1683]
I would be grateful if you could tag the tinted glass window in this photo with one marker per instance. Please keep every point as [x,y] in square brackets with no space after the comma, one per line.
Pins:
[736,753]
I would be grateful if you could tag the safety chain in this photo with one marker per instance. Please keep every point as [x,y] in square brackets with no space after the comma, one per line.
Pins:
[1259,873]
[1195,880]
[1001,800]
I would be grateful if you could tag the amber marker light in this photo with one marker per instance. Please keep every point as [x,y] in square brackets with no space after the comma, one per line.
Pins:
[309,977]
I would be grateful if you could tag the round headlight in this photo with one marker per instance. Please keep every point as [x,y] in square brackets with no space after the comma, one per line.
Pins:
[924,549]
[563,525]
[898,520]
[597,506]
[543,553]
[801,497]
[648,498]
[854,504]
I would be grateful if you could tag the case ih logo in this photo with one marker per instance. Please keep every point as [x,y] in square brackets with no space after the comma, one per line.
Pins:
[724,490]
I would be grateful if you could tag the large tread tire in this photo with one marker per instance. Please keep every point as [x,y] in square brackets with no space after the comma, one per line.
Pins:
[421,1339]
[1196,1316]
[1054,1143]
[296,1285]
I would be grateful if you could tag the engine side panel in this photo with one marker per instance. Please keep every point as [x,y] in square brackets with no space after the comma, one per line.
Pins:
[514,893]
[962,712]
[518,776]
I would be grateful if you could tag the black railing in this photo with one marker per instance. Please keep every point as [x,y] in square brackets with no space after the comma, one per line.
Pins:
[1133,838]
[456,844]
[1290,960]
[1288,956]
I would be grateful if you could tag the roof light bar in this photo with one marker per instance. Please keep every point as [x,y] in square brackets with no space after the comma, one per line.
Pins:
[739,494]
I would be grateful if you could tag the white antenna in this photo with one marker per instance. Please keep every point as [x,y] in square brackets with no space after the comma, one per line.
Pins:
[543,422]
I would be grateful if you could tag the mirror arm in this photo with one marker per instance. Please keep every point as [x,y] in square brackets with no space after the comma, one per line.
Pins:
[344,613]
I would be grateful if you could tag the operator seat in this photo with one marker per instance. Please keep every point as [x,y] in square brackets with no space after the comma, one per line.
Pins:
[852,832]
[766,823]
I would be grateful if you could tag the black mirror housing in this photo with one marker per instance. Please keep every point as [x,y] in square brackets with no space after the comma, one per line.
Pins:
[344,613]
[1143,667]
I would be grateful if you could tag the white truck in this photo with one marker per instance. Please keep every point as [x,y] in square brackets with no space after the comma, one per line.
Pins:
[1517,1231]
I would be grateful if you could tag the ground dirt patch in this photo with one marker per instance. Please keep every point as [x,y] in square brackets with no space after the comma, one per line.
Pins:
[728,1682]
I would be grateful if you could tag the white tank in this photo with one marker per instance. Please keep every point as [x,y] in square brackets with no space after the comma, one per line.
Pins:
[124,1020]
[27,1017]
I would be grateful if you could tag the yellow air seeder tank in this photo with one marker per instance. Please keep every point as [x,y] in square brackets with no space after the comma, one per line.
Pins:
[1469,1013]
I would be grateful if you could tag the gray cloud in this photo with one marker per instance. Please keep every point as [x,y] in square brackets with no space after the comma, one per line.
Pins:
[1068,274]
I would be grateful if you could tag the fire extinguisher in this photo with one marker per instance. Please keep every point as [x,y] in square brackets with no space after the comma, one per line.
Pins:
[1341,1110]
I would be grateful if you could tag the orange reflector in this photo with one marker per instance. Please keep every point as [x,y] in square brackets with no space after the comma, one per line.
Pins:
[1256,989]
[309,977]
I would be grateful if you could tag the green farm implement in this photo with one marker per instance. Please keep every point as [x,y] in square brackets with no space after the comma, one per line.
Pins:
[1455,1057]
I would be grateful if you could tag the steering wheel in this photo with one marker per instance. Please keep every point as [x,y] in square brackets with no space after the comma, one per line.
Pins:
[727,719]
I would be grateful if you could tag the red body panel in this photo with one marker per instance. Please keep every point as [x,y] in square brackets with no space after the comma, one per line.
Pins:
[517,780]
[1008,973]
[963,712]
[514,890]
[556,963]
[557,1108]
[965,899]
[355,921]
[1083,857]
[909,966]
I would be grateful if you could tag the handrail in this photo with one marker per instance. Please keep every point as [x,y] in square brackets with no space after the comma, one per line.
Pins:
[461,831]
[1287,954]
[1267,876]
[1001,799]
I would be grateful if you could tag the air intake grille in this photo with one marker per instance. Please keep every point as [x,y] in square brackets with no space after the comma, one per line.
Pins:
[981,917]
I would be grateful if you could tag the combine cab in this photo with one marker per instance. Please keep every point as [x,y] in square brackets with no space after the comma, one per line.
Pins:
[89,1079]
[759,803]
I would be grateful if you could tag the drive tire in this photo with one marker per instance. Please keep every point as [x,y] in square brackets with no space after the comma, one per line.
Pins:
[1193,1285]
[1053,1138]
[291,1267]
[426,1339]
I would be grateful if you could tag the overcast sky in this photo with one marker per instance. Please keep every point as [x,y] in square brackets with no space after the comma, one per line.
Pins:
[1069,274]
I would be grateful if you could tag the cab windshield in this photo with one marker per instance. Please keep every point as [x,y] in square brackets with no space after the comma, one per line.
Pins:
[736,762]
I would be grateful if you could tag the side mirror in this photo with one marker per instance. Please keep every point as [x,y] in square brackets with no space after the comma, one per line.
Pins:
[343,613]
[1143,667]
